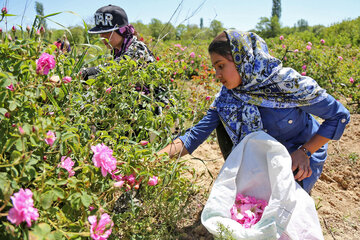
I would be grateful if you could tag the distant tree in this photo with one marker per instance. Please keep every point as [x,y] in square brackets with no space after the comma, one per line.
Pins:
[201,23]
[216,27]
[268,28]
[276,9]
[39,8]
[180,30]
[302,25]
[155,27]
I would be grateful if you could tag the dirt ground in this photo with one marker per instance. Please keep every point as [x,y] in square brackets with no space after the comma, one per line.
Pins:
[336,194]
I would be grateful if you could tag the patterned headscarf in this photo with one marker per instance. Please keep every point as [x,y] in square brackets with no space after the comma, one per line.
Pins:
[265,83]
[127,32]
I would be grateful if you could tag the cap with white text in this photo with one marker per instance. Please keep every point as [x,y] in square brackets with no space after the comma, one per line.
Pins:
[108,19]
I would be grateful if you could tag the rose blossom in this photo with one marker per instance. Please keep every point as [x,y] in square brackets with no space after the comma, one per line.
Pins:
[103,158]
[45,63]
[208,98]
[143,143]
[308,47]
[4,10]
[296,50]
[153,181]
[23,209]
[322,41]
[11,87]
[108,90]
[340,58]
[304,67]
[192,54]
[303,73]
[67,164]
[66,79]
[50,138]
[351,80]
[100,230]
[281,37]
[247,210]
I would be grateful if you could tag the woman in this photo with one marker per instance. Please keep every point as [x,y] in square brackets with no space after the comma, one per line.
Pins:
[259,94]
[111,23]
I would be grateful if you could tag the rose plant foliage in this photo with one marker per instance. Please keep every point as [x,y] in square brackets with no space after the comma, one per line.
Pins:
[73,158]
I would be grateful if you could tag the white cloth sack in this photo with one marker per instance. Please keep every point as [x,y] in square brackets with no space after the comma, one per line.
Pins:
[260,166]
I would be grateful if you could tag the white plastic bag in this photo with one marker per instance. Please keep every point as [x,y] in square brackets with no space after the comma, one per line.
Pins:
[260,166]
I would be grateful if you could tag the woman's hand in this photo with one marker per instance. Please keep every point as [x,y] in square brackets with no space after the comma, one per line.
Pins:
[301,162]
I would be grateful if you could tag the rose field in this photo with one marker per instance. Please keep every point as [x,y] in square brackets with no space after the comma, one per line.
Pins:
[78,158]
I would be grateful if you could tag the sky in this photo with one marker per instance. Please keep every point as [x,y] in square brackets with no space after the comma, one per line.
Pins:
[240,14]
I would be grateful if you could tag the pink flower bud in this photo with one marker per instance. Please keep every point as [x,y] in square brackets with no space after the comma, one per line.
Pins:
[207,98]
[308,47]
[304,67]
[340,58]
[28,28]
[7,115]
[4,10]
[0,30]
[309,43]
[153,181]
[303,73]
[37,33]
[11,87]
[108,90]
[21,130]
[296,50]
[351,80]
[13,29]
[143,143]
[42,30]
[281,37]
[67,79]
[322,41]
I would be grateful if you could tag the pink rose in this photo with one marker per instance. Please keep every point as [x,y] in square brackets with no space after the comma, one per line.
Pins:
[23,208]
[296,50]
[304,67]
[303,73]
[67,164]
[207,98]
[143,143]
[192,54]
[21,130]
[13,29]
[322,41]
[11,87]
[351,80]
[103,159]
[67,79]
[130,179]
[119,184]
[153,181]
[309,43]
[340,58]
[45,63]
[50,138]
[100,230]
[281,38]
[308,47]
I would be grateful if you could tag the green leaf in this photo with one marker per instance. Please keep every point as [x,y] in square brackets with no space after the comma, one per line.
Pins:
[58,192]
[46,199]
[86,199]
[12,105]
[15,155]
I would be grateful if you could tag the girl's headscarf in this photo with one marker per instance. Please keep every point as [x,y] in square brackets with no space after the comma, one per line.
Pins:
[127,32]
[265,83]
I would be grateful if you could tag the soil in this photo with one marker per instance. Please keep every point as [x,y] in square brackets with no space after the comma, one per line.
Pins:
[336,194]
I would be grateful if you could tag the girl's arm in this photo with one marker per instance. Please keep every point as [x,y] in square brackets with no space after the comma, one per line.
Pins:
[174,149]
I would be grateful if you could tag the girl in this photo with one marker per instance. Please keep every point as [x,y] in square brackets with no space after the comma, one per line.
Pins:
[258,93]
[119,36]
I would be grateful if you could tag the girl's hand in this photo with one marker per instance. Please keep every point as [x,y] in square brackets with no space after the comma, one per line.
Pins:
[301,162]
